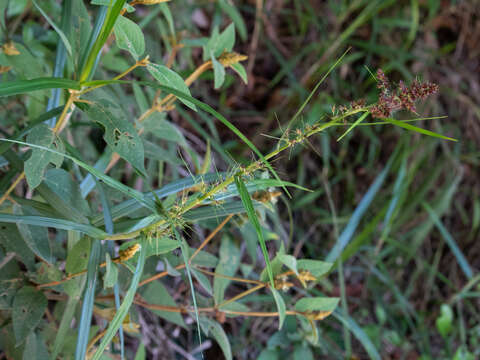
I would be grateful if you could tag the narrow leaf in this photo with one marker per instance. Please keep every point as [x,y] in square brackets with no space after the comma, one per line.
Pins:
[9,88]
[280,307]
[411,127]
[59,31]
[252,216]
[124,308]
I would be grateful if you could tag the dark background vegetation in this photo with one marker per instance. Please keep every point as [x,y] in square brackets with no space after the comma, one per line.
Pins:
[397,274]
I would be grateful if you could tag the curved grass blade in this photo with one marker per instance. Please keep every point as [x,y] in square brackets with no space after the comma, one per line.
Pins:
[411,127]
[59,31]
[252,216]
[186,257]
[99,21]
[356,123]
[53,223]
[88,298]
[107,26]
[358,332]
[16,87]
[357,215]
[462,261]
[216,211]
[117,320]
[110,245]
[307,100]
[106,179]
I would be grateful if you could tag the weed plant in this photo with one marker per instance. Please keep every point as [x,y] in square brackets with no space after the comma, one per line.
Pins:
[92,232]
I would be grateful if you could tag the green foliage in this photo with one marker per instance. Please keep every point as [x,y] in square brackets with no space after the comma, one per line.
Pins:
[189,235]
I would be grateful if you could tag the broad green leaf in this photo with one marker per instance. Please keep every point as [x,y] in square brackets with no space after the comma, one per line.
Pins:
[240,70]
[252,216]
[62,183]
[63,194]
[307,304]
[24,66]
[111,273]
[77,258]
[163,129]
[28,308]
[226,40]
[227,265]
[157,294]
[9,88]
[280,307]
[119,134]
[315,267]
[170,78]
[129,37]
[124,308]
[218,72]
[35,166]
[215,330]
[36,238]
[411,127]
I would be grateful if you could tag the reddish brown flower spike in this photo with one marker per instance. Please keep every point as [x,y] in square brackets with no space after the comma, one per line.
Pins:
[402,98]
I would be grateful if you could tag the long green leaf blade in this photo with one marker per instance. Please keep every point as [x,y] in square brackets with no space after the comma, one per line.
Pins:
[124,308]
[88,298]
[252,216]
[411,127]
[10,88]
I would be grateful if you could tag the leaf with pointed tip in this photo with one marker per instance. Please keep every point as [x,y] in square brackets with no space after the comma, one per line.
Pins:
[129,36]
[280,307]
[215,330]
[170,78]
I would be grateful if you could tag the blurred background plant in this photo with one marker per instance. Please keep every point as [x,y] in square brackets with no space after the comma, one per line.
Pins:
[396,212]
